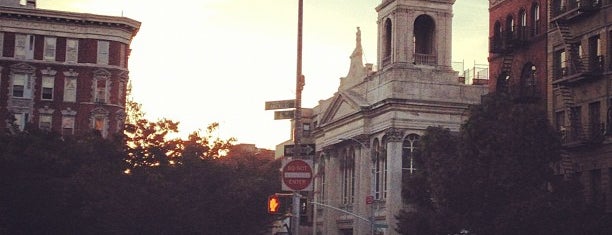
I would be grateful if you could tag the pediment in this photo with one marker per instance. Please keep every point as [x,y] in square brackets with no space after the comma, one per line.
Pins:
[342,105]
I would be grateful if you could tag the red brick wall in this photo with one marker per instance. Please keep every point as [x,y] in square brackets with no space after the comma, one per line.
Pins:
[533,52]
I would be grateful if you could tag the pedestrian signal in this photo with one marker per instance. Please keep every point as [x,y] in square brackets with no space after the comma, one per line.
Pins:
[273,204]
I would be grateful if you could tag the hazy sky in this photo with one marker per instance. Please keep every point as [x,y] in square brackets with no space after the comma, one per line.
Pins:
[204,61]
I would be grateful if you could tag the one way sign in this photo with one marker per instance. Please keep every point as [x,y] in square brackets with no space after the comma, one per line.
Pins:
[305,150]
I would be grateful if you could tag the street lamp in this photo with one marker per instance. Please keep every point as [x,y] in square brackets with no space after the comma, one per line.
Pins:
[372,180]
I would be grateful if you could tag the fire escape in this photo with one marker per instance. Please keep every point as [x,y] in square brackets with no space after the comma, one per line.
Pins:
[506,44]
[574,69]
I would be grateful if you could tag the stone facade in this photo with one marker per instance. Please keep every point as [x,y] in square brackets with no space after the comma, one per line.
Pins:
[579,56]
[63,71]
[366,133]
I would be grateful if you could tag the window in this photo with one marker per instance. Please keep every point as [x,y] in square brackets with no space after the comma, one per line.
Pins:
[576,123]
[596,62]
[68,125]
[559,64]
[20,120]
[22,85]
[595,125]
[424,35]
[1,43]
[424,40]
[410,156]
[100,123]
[103,52]
[322,187]
[100,92]
[510,23]
[387,40]
[305,126]
[535,14]
[47,88]
[70,86]
[100,86]
[609,56]
[348,176]
[523,18]
[44,122]
[380,171]
[560,121]
[122,56]
[20,46]
[72,50]
[528,80]
[50,43]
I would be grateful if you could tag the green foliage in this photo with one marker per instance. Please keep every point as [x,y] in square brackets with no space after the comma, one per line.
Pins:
[494,177]
[142,183]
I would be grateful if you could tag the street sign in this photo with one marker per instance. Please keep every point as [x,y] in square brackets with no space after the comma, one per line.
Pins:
[297,175]
[305,150]
[280,104]
[285,114]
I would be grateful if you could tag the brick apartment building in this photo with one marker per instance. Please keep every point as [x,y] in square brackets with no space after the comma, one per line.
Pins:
[561,49]
[517,47]
[580,102]
[63,71]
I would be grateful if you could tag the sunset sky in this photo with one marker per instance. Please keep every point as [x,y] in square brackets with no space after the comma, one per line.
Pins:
[204,61]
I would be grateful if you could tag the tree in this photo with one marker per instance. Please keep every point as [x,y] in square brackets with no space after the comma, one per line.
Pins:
[494,177]
[142,183]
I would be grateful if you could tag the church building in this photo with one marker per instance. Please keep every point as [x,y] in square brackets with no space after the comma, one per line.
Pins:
[367,133]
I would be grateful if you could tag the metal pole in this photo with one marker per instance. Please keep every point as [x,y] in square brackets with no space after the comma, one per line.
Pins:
[295,227]
[299,85]
[297,128]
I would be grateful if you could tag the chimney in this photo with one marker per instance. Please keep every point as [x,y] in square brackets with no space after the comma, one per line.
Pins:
[31,3]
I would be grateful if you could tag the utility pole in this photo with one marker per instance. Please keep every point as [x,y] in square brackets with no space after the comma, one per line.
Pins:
[297,128]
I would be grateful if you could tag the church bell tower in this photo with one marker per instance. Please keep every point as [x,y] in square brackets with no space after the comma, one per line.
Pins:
[415,33]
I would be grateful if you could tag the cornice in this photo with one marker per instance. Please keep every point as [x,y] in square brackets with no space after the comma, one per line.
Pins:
[83,19]
[494,3]
[65,29]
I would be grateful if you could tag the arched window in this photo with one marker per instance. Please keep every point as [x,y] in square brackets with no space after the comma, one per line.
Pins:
[521,31]
[510,27]
[320,177]
[497,37]
[410,153]
[424,34]
[424,30]
[528,79]
[523,18]
[535,19]
[380,170]
[348,175]
[387,36]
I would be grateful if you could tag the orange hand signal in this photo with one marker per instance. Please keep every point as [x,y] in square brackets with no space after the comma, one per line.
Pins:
[273,204]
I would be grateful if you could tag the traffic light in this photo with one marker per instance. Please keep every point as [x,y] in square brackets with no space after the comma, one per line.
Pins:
[274,204]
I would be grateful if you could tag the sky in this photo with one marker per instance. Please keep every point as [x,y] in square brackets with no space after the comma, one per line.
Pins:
[204,61]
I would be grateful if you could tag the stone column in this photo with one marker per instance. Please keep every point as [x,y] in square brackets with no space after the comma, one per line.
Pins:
[402,34]
[363,186]
[394,178]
